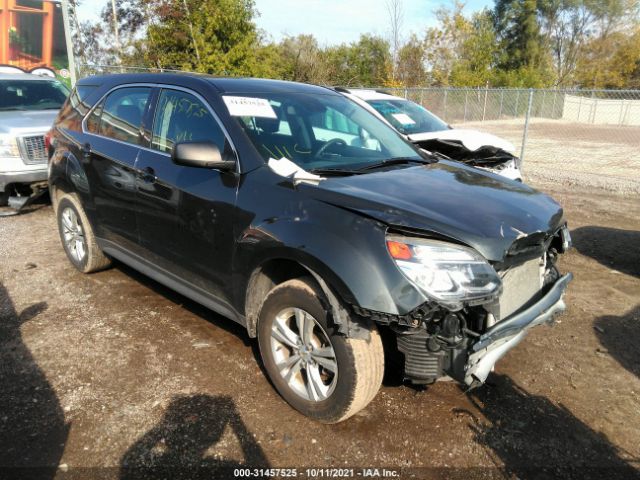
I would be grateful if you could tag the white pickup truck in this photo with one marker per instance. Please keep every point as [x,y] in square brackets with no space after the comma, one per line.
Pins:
[28,106]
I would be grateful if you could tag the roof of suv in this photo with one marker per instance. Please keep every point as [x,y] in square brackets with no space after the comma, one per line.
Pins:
[222,84]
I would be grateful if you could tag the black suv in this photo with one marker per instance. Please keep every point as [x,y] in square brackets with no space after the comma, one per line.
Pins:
[297,213]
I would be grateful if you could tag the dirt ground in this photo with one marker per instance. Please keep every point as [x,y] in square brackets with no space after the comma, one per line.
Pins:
[558,152]
[111,375]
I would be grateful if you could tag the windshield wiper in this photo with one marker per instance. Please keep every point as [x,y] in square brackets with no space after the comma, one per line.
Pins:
[334,171]
[395,161]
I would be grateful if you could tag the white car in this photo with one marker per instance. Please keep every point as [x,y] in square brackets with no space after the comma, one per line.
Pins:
[28,106]
[424,129]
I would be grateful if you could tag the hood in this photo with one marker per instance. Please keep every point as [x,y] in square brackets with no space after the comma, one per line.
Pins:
[471,139]
[474,207]
[20,122]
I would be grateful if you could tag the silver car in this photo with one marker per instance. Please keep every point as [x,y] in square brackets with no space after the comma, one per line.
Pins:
[28,106]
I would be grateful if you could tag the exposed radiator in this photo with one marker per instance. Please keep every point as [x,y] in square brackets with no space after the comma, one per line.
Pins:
[520,284]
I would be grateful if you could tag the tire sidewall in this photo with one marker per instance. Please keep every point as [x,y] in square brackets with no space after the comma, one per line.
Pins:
[307,297]
[65,203]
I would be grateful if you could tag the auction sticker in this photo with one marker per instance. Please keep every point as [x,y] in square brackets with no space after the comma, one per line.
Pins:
[249,107]
[403,118]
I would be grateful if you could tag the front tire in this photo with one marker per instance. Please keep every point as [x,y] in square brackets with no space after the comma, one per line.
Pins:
[317,370]
[77,236]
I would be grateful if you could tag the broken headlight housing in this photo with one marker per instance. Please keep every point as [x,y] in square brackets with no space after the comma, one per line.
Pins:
[8,146]
[448,273]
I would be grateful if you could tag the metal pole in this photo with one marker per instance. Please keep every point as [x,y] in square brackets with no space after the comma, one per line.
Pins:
[515,111]
[501,101]
[466,98]
[68,41]
[526,127]
[484,109]
[444,115]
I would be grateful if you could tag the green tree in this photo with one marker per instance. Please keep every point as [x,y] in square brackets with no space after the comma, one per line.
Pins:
[462,51]
[302,60]
[211,36]
[366,62]
[524,59]
[410,68]
[476,62]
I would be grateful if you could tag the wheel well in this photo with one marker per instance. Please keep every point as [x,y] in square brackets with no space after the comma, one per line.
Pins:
[56,190]
[262,281]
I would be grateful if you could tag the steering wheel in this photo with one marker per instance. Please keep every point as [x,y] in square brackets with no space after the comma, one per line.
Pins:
[330,143]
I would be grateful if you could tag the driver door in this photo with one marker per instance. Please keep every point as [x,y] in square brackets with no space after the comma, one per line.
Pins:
[185,214]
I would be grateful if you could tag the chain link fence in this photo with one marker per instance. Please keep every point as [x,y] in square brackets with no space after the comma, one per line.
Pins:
[589,138]
[583,137]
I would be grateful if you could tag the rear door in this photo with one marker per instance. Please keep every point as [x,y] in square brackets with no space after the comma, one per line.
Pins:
[185,214]
[112,146]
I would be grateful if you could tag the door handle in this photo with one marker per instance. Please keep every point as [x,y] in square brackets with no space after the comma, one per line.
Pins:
[148,174]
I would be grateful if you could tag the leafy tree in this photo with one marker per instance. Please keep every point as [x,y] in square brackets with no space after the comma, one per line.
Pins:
[612,61]
[364,63]
[410,68]
[522,44]
[477,54]
[303,60]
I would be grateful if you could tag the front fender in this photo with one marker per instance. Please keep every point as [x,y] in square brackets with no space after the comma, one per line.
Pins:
[345,249]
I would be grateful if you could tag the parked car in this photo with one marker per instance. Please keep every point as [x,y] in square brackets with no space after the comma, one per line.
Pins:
[304,217]
[426,130]
[28,106]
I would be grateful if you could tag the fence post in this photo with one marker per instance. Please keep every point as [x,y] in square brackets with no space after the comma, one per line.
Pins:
[444,115]
[406,92]
[526,127]
[501,101]
[466,98]
[515,111]
[553,107]
[484,108]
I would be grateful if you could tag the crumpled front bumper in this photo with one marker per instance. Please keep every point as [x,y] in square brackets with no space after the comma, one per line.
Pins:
[506,334]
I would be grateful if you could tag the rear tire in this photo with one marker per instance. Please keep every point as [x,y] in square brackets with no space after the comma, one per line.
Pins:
[300,347]
[4,199]
[77,236]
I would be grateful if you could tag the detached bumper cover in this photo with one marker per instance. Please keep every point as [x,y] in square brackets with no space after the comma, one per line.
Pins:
[505,335]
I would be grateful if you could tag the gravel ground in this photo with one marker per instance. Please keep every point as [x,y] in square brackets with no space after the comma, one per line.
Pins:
[563,153]
[111,375]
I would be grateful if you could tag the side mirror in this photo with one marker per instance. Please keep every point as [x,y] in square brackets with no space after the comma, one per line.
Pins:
[200,155]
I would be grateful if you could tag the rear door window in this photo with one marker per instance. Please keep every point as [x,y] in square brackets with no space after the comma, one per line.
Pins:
[122,112]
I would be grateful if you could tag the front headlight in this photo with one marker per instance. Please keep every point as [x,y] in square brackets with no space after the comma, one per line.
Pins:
[445,272]
[9,146]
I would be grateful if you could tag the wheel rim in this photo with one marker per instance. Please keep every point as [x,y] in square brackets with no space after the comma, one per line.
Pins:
[73,234]
[303,354]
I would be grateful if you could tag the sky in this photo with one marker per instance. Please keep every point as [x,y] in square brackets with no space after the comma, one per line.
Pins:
[332,21]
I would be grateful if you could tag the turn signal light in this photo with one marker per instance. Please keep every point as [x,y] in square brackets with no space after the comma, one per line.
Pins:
[399,251]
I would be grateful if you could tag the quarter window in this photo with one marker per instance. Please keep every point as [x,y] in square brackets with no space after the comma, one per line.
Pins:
[122,113]
[181,117]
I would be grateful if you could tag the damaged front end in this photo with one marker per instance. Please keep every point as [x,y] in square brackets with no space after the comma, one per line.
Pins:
[464,339]
[488,157]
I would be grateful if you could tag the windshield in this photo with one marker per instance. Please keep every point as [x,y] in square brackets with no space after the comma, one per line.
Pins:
[408,117]
[32,95]
[317,131]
